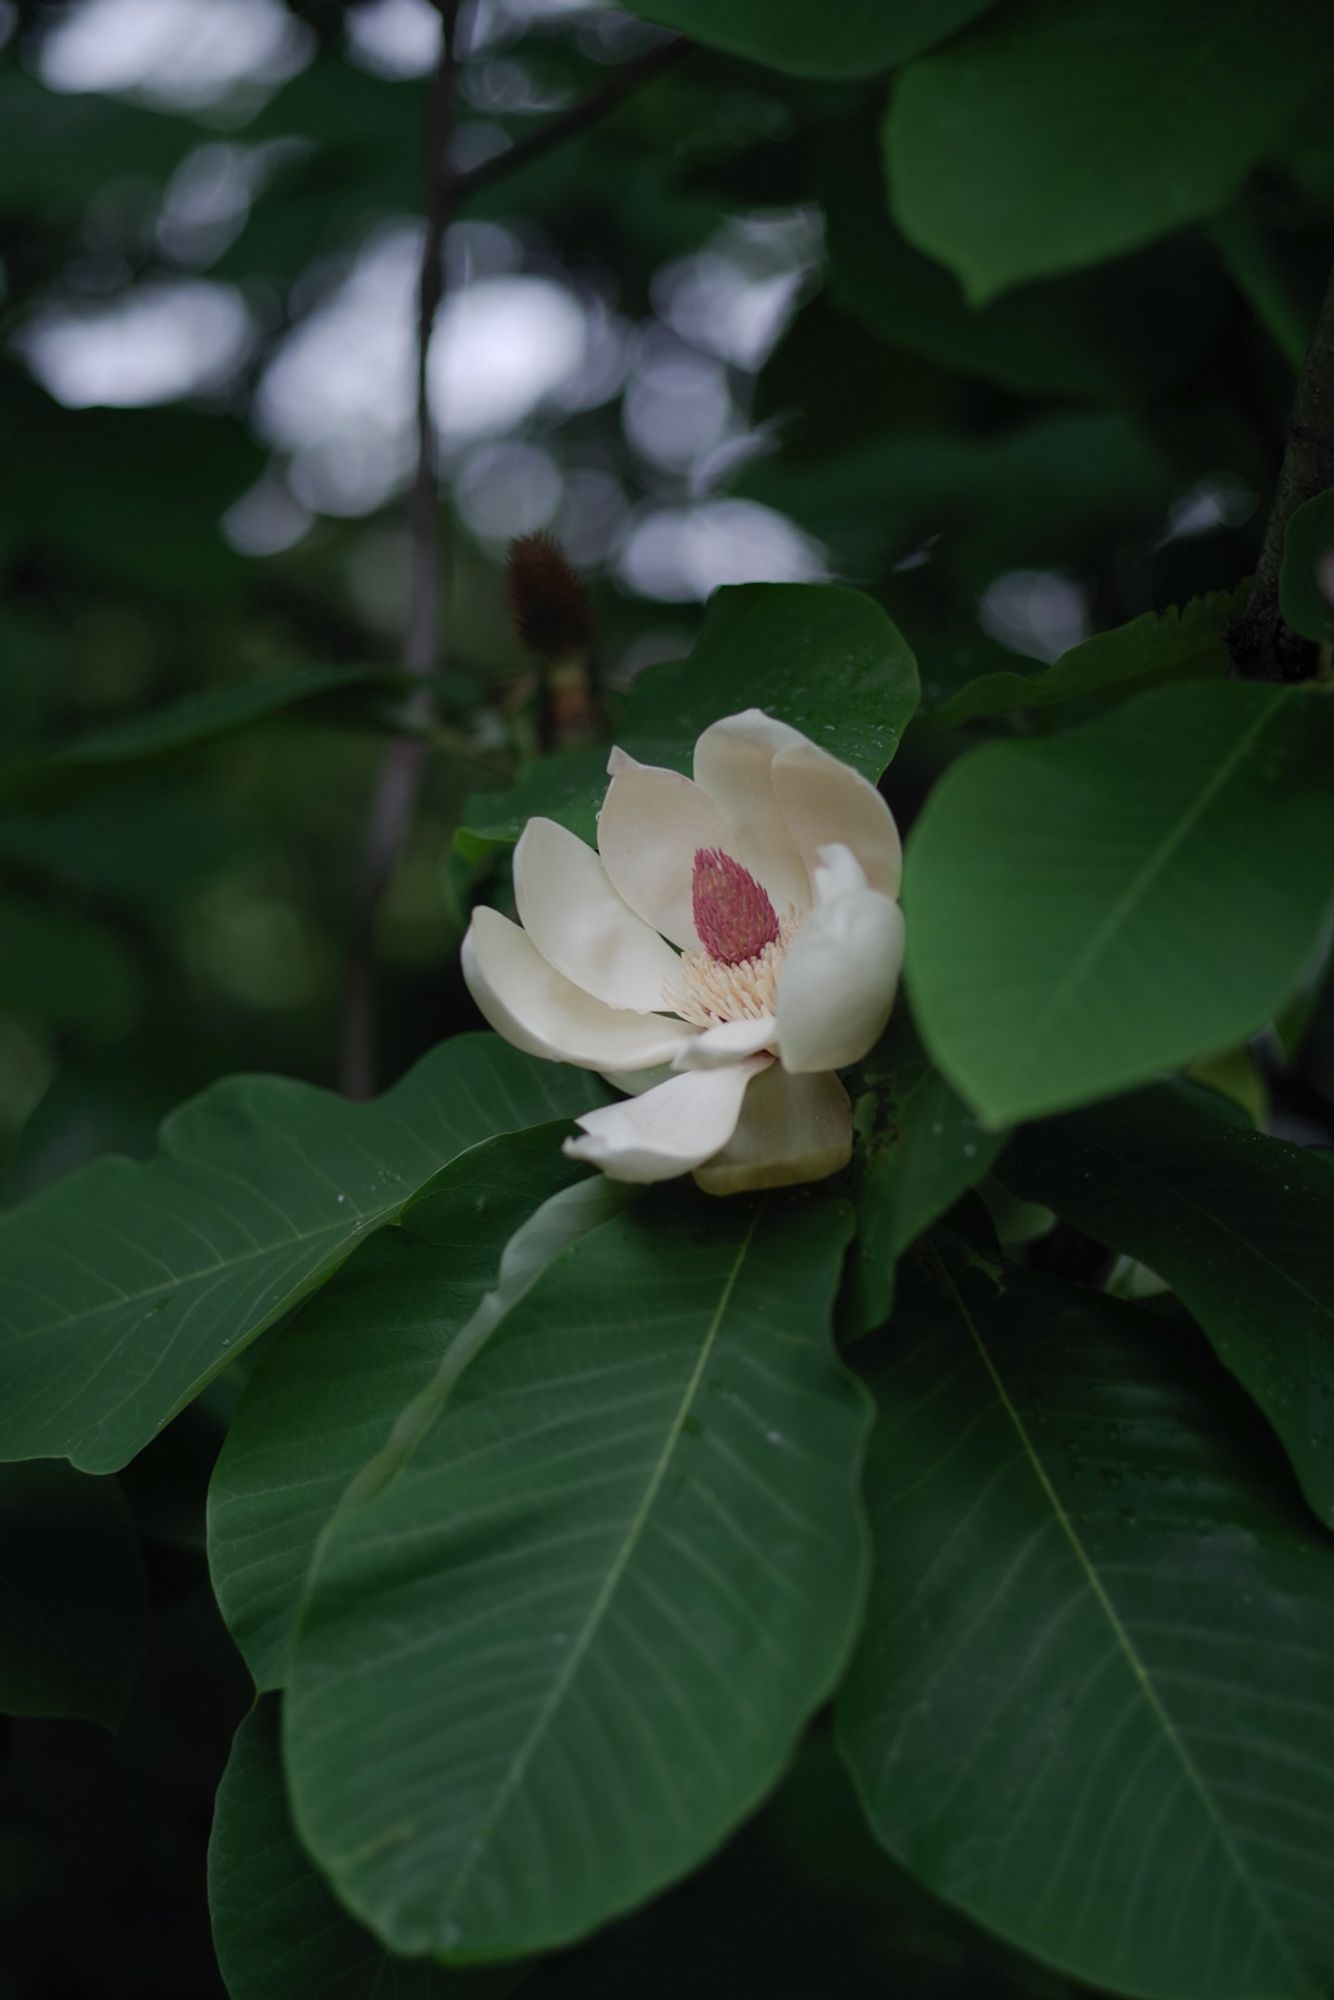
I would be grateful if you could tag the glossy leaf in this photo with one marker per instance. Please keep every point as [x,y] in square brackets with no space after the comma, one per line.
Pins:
[847,38]
[1087,911]
[1242,1228]
[1121,330]
[1183,643]
[569,1642]
[324,1399]
[278,1932]
[1190,97]
[919,1149]
[262,1187]
[1092,1705]
[825,659]
[73,1596]
[1306,580]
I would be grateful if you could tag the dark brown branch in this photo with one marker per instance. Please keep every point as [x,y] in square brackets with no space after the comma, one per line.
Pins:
[565,125]
[1261,646]
[403,766]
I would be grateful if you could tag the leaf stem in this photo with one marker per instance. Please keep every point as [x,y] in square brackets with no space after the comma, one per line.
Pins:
[1261,646]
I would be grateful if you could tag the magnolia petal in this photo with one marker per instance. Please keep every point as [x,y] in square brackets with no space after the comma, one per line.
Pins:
[734,762]
[837,872]
[669,1130]
[532,1005]
[837,983]
[791,1129]
[823,800]
[730,1042]
[581,926]
[651,825]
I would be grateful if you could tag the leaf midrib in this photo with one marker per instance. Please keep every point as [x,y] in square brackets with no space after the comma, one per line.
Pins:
[1269,1923]
[574,1658]
[1034,1047]
[179,1279]
[1177,1192]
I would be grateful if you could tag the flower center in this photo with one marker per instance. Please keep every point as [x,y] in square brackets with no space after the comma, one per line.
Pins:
[733,914]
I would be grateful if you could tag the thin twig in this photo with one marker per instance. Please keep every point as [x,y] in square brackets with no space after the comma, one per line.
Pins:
[403,766]
[565,125]
[1261,646]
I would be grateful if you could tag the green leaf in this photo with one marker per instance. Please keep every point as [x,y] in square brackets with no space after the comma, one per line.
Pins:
[554,1660]
[182,725]
[920,1149]
[825,659]
[1308,543]
[1126,329]
[129,1286]
[1006,165]
[847,38]
[277,1930]
[73,1597]
[323,1400]
[1086,911]
[1242,1228]
[566,786]
[1183,643]
[1092,1704]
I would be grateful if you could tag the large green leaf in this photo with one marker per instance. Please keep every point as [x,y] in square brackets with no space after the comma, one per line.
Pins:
[1093,1705]
[1007,163]
[845,38]
[73,1597]
[1179,644]
[1241,1226]
[825,659]
[277,1930]
[1086,911]
[194,720]
[570,1640]
[324,1398]
[1308,551]
[920,1149]
[1122,330]
[128,1286]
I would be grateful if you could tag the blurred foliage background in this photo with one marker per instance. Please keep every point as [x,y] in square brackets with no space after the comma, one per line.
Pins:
[691,343]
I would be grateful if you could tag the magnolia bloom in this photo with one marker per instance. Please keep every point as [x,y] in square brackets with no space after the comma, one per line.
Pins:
[735,940]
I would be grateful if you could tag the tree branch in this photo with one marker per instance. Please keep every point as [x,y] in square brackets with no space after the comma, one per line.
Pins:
[565,125]
[1261,646]
[403,766]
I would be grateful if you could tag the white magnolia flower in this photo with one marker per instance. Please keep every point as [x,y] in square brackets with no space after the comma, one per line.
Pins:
[774,875]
